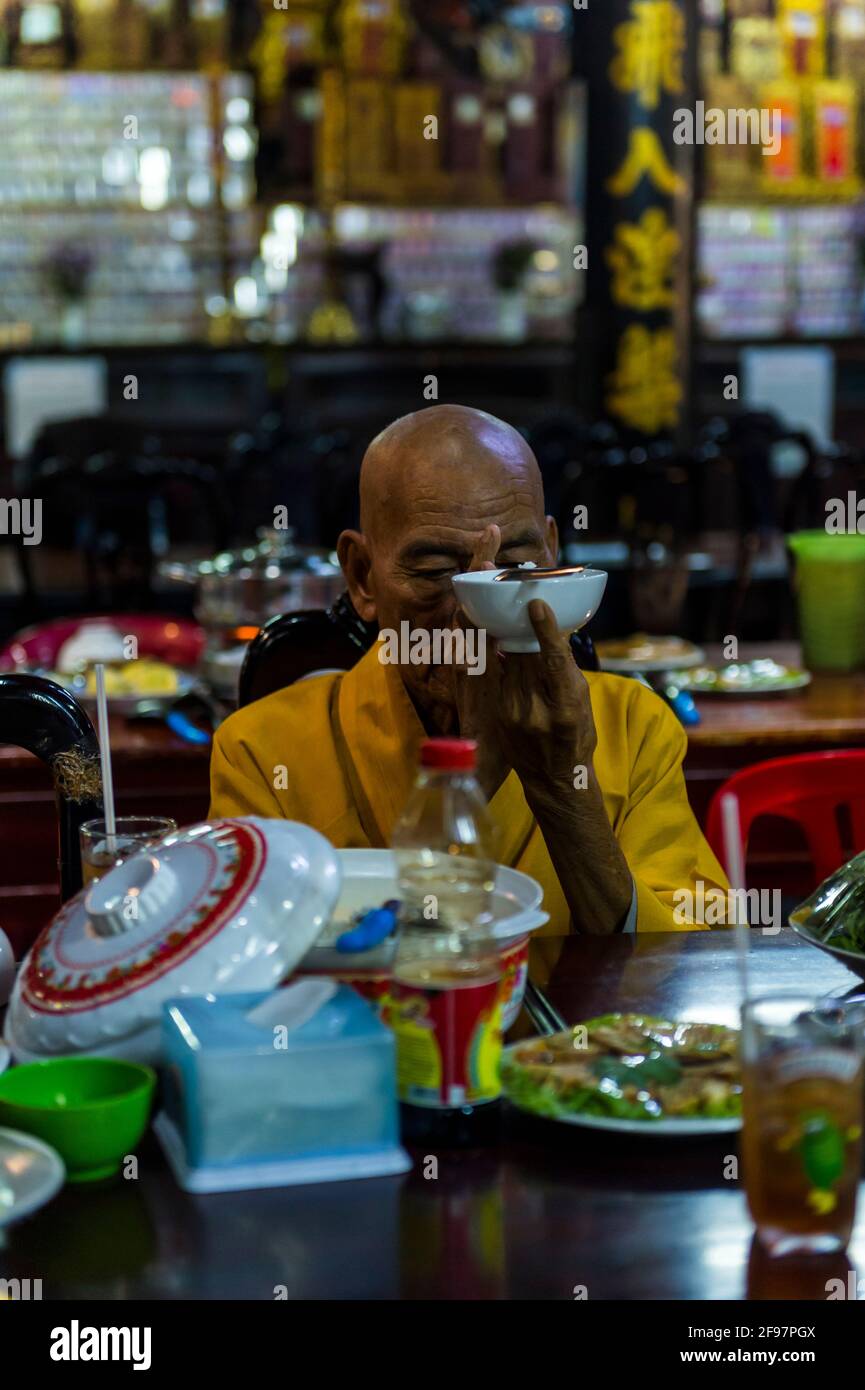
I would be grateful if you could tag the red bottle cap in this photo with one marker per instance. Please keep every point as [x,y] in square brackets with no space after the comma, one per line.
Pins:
[449,754]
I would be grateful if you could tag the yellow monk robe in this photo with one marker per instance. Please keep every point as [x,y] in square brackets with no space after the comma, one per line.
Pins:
[340,753]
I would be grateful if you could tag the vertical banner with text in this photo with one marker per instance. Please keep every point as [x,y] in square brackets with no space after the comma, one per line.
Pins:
[636,58]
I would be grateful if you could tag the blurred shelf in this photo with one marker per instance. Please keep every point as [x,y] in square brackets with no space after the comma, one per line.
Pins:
[794,203]
[540,353]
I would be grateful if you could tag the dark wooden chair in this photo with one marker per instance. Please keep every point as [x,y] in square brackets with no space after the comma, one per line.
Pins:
[296,645]
[41,716]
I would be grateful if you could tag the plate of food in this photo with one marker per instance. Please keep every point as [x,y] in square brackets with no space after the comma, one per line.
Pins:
[761,677]
[630,1074]
[127,683]
[639,652]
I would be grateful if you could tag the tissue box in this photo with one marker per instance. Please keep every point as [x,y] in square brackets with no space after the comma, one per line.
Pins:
[247,1106]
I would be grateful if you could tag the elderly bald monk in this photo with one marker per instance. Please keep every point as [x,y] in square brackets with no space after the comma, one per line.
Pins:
[444,490]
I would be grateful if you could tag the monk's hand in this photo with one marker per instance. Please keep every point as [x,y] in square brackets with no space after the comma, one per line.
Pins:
[545,714]
[477,691]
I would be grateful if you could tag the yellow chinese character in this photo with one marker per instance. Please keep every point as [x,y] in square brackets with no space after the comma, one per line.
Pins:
[644,391]
[645,157]
[642,260]
[651,45]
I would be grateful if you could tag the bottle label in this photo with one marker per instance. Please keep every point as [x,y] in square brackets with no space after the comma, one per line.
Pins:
[448,1042]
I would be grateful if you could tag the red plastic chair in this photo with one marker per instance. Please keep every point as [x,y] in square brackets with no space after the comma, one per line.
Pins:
[807,789]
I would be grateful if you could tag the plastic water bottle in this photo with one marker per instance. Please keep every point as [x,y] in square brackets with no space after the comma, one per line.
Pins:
[445,997]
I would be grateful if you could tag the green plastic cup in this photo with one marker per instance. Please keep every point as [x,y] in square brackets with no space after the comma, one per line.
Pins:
[830,584]
[92,1110]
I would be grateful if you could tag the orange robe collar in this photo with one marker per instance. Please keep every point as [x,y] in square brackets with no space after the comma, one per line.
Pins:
[378,735]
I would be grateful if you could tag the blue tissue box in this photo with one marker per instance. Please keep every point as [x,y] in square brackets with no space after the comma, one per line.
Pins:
[241,1111]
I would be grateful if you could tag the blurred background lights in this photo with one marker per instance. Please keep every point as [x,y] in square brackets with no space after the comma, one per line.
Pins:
[238,142]
[154,172]
[238,110]
[288,220]
[245,295]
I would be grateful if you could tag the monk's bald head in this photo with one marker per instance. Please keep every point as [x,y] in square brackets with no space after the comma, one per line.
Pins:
[440,490]
[445,450]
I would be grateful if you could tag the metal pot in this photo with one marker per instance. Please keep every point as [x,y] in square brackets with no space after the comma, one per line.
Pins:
[243,588]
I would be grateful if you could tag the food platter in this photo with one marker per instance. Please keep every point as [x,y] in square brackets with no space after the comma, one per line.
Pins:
[761,677]
[630,1074]
[156,682]
[652,655]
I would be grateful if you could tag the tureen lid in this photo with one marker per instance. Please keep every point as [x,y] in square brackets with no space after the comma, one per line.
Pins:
[220,907]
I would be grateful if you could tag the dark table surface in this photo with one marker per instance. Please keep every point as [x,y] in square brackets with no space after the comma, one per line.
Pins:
[553,1211]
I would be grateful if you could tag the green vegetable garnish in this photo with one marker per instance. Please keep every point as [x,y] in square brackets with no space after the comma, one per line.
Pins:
[599,1068]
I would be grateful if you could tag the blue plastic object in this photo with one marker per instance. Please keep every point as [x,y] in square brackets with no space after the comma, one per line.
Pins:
[242,1111]
[683,705]
[373,928]
[185,729]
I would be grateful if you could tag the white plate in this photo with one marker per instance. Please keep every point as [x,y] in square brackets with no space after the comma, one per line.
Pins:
[662,1129]
[685,680]
[30,1174]
[127,704]
[628,665]
[369,879]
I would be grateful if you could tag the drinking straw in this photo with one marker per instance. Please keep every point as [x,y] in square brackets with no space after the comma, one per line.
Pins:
[105,759]
[735,858]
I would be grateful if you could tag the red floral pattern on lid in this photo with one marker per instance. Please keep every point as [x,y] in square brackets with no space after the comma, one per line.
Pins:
[51,987]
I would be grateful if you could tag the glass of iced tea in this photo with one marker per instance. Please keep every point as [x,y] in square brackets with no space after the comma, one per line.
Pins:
[132,834]
[803,1083]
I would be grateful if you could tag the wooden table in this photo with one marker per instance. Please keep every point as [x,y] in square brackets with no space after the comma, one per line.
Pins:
[554,1208]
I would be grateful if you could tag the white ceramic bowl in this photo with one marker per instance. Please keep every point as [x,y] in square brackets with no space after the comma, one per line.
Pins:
[224,907]
[369,878]
[502,609]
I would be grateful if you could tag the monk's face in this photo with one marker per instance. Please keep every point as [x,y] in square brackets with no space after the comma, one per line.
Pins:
[424,507]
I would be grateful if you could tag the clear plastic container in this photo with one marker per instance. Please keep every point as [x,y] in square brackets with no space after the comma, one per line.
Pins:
[446,993]
[444,845]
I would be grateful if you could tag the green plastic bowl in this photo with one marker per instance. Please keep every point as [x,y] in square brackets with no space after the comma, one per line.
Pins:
[92,1110]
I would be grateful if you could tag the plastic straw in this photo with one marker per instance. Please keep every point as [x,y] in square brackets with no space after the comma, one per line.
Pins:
[734,855]
[105,759]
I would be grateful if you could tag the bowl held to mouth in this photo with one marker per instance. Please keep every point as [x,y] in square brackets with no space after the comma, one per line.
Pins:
[502,608]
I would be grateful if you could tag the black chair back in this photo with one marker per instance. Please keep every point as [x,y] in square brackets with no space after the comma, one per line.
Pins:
[41,716]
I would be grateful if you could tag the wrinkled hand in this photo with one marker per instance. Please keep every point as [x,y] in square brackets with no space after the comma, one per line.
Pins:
[544,712]
[530,712]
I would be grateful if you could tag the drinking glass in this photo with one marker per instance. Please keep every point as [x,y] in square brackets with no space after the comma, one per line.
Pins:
[132,834]
[803,1073]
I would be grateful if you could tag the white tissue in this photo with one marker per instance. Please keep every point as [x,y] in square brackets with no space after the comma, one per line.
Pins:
[292,1007]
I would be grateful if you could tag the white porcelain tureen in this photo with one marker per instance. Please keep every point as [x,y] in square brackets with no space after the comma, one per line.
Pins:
[223,907]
